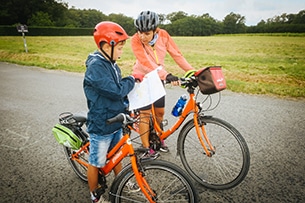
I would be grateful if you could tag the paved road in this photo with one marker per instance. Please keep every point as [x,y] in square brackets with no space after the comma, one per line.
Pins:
[33,167]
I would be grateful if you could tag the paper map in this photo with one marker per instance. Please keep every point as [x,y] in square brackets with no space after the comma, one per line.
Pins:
[147,92]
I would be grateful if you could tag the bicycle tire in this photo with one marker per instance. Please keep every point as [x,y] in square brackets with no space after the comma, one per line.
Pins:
[79,169]
[227,167]
[169,182]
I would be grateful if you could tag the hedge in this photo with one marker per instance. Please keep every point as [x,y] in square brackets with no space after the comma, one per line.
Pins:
[46,31]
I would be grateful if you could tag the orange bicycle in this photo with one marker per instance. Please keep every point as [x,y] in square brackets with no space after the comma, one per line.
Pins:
[212,151]
[159,181]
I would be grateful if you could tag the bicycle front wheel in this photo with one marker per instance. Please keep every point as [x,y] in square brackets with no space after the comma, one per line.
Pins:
[168,181]
[230,163]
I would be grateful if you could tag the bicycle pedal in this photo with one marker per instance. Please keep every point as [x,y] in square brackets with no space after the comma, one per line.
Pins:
[98,192]
[141,149]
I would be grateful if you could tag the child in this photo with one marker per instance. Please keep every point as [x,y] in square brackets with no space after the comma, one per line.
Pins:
[105,91]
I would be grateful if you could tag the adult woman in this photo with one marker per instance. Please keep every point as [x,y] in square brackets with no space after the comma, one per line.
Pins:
[150,45]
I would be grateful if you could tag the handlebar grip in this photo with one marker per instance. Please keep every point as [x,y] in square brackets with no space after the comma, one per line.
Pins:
[183,81]
[118,118]
[168,82]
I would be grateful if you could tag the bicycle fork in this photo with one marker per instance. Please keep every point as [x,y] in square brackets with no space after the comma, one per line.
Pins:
[210,150]
[140,177]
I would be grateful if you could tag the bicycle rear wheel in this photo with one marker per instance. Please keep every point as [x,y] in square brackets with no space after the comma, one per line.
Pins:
[168,181]
[230,163]
[79,169]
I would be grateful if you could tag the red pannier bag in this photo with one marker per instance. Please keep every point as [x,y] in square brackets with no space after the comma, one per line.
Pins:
[210,80]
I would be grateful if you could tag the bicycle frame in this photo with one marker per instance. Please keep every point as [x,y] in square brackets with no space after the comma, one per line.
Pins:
[121,150]
[190,107]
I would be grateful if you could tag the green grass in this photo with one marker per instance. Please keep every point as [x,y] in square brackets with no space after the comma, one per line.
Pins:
[253,64]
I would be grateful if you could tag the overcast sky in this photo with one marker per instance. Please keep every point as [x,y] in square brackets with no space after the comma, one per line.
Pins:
[253,10]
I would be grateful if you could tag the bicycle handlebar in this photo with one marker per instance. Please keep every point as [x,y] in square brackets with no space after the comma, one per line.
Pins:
[122,118]
[188,82]
[184,81]
[118,118]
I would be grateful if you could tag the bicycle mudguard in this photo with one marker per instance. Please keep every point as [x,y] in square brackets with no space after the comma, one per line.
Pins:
[66,137]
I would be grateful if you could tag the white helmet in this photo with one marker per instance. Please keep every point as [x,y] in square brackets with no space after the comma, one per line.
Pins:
[146,21]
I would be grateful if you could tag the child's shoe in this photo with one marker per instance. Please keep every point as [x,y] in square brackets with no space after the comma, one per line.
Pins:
[133,187]
[96,196]
[150,154]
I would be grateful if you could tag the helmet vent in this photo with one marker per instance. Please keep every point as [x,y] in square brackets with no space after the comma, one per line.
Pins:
[119,33]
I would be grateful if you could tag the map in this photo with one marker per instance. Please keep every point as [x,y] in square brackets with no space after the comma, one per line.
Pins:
[146,92]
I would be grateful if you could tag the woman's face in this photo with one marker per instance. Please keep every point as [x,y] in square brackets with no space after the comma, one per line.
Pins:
[146,37]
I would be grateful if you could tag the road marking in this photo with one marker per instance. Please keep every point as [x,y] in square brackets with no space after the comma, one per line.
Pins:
[16,140]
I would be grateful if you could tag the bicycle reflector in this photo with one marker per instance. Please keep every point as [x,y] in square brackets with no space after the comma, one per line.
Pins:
[66,137]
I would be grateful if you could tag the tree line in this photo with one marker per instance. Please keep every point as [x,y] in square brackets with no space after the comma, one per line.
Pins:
[52,13]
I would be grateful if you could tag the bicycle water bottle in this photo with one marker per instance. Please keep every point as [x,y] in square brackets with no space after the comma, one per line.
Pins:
[177,110]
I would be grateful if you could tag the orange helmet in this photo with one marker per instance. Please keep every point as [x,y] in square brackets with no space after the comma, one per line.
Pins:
[109,32]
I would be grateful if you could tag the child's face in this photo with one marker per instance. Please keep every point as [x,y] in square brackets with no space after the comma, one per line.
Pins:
[118,50]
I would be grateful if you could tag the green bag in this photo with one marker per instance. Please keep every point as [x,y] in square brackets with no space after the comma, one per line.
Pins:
[66,137]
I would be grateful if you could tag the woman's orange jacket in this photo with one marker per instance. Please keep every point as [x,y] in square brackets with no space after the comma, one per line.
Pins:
[148,57]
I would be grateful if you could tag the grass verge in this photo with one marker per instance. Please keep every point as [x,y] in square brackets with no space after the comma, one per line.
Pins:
[253,64]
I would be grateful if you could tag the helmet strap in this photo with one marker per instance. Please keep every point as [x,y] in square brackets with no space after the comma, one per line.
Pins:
[112,50]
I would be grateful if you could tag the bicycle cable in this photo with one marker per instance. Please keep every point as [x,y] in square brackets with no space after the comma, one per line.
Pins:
[210,108]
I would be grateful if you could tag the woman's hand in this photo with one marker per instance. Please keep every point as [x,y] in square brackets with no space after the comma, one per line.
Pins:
[174,80]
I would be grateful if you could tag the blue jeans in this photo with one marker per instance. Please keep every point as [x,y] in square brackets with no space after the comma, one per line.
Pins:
[100,145]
